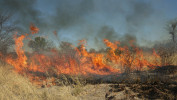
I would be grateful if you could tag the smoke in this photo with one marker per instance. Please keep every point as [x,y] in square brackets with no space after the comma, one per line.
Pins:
[109,33]
[131,16]
[140,14]
[23,12]
[129,39]
[90,19]
[69,14]
[105,32]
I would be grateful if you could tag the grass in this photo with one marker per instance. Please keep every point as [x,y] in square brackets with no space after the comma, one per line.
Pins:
[17,87]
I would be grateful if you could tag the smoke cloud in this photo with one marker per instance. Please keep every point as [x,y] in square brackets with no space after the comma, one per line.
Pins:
[93,20]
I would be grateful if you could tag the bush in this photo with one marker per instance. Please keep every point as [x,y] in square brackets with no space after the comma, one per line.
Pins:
[39,44]
[6,29]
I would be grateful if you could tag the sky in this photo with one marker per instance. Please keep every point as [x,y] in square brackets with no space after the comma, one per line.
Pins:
[93,20]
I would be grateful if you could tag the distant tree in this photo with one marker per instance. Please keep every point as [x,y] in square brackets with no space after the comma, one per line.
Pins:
[39,44]
[81,48]
[67,50]
[92,50]
[168,50]
[65,46]
[6,36]
[172,28]
[102,50]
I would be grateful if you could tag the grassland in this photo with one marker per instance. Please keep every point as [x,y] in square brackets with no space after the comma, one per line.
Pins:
[135,86]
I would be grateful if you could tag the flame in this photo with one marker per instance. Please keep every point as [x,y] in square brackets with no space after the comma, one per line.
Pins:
[20,63]
[55,33]
[34,29]
[37,66]
[132,58]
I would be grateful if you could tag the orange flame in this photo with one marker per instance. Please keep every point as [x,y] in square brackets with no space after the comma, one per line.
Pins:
[81,62]
[34,29]
[132,58]
[21,61]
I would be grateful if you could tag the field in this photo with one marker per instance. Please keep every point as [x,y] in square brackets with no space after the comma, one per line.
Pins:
[160,83]
[74,73]
[88,50]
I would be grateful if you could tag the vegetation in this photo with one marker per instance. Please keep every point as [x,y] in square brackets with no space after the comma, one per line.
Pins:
[132,83]
[17,87]
[39,44]
[167,51]
[6,36]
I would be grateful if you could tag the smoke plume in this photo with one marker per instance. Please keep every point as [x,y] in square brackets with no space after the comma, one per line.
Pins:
[93,20]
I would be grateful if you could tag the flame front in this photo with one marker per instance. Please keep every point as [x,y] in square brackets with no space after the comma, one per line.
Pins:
[81,62]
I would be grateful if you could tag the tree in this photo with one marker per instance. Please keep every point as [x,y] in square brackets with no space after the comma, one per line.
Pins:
[67,48]
[172,30]
[167,51]
[92,50]
[6,29]
[39,44]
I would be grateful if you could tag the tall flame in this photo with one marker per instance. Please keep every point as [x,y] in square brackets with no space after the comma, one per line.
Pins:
[81,62]
[20,63]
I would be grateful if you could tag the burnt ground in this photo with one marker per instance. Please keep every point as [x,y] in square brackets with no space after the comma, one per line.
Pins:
[137,91]
[160,84]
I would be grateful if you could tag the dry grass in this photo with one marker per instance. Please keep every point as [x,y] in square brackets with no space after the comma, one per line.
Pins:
[17,87]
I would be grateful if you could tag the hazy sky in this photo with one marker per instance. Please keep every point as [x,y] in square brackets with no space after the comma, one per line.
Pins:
[94,20]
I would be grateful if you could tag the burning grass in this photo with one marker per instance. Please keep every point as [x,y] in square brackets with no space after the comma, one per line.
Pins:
[74,68]
[78,61]
[17,87]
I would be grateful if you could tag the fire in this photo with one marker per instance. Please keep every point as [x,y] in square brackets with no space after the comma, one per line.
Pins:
[37,66]
[132,57]
[34,29]
[20,63]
